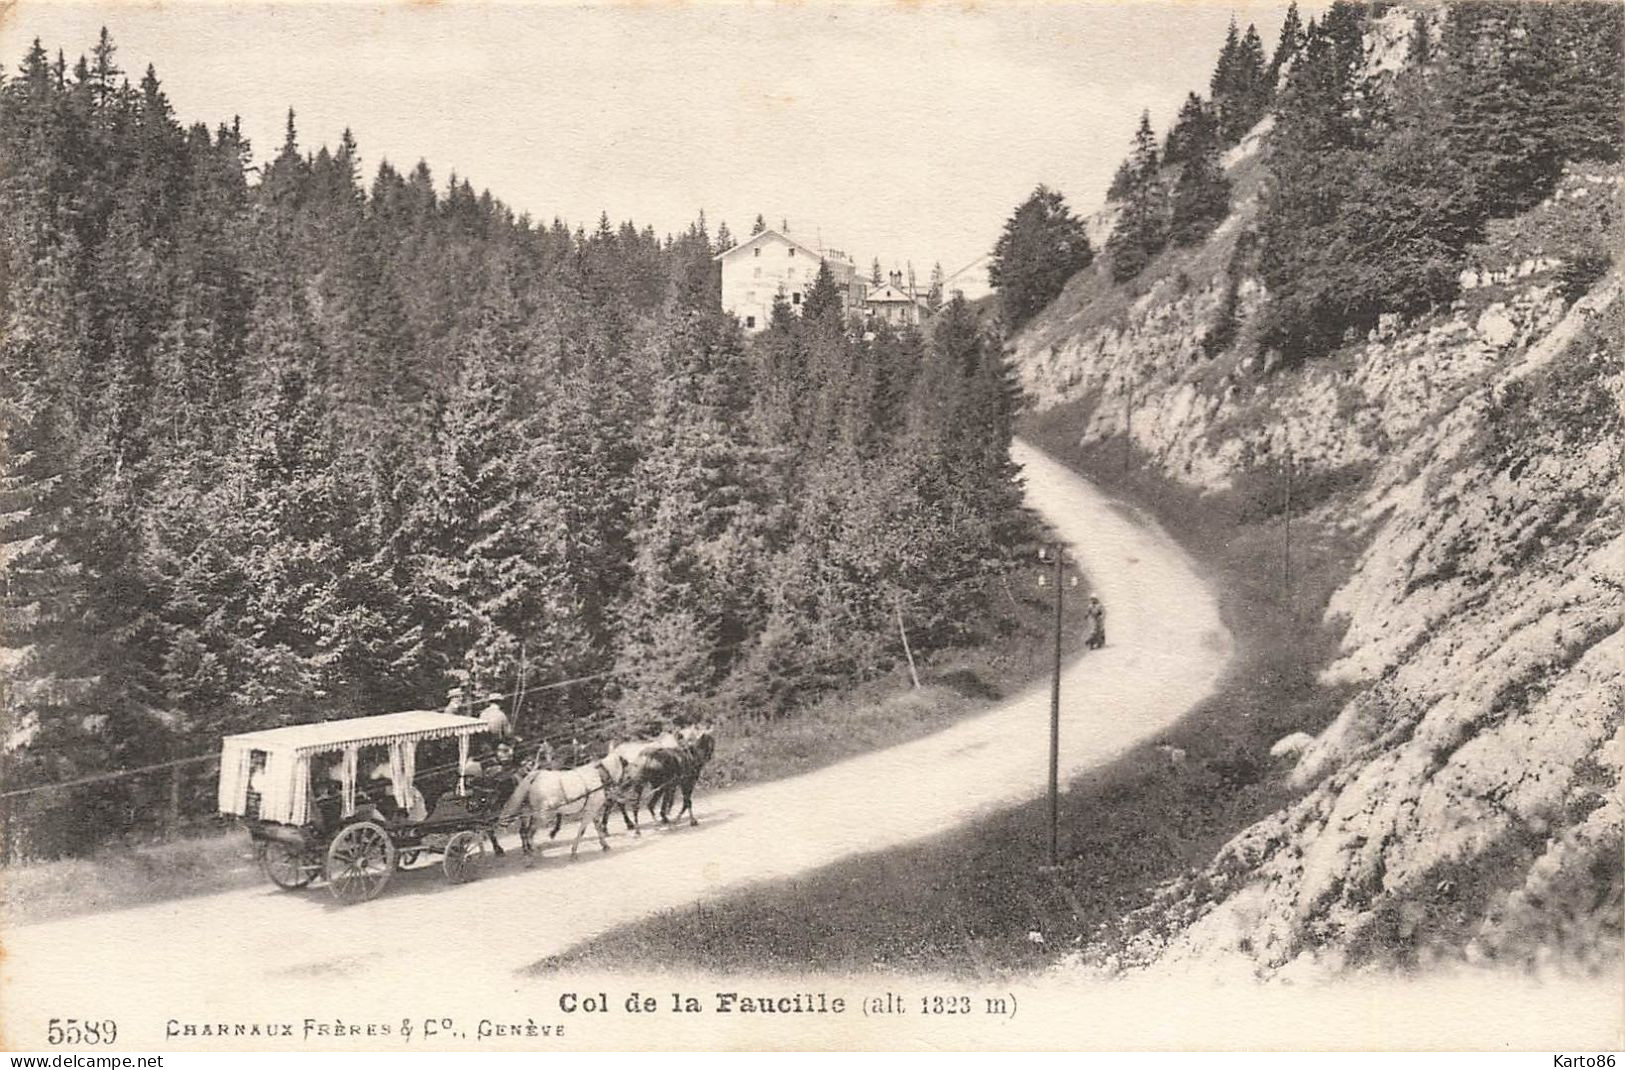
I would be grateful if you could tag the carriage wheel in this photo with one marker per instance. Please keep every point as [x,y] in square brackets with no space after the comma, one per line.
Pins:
[465,857]
[359,862]
[282,864]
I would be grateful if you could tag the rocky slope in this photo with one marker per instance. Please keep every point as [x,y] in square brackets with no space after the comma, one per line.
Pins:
[1464,804]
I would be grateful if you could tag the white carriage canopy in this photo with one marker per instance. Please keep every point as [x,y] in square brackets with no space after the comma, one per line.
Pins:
[283,784]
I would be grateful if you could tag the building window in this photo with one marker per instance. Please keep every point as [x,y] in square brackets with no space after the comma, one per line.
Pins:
[750,321]
[758,250]
[756,273]
[792,250]
[795,299]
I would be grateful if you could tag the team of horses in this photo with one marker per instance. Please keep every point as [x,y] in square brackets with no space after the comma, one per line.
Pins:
[657,768]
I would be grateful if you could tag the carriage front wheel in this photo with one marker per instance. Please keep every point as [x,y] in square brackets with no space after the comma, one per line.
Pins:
[359,862]
[465,856]
[282,864]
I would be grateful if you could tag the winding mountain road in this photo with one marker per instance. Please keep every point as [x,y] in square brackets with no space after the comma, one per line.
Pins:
[259,954]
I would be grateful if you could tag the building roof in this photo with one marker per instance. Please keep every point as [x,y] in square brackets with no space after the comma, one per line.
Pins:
[754,239]
[890,294]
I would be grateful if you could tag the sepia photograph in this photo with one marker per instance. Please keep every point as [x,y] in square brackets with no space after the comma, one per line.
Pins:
[846,525]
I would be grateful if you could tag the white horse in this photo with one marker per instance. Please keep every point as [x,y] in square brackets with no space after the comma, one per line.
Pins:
[583,791]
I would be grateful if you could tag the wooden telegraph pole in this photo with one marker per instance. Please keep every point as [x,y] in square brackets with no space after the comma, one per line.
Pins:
[1128,423]
[1055,725]
[1286,548]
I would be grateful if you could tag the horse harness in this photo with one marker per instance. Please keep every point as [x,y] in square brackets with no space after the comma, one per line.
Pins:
[606,780]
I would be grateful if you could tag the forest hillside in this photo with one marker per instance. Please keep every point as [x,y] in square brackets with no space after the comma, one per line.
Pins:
[1383,301]
[289,436]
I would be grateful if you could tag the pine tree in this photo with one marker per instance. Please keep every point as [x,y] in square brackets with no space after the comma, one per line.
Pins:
[1526,87]
[104,73]
[1201,194]
[1241,84]
[759,226]
[1225,78]
[1288,45]
[1321,133]
[493,551]
[1122,182]
[1255,82]
[1141,229]
[934,295]
[1192,132]
[1042,246]
[692,528]
[823,296]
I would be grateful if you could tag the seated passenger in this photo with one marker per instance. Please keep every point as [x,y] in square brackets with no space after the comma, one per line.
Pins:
[328,811]
[380,796]
[416,810]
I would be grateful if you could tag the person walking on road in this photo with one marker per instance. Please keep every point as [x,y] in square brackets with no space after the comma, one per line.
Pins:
[1096,615]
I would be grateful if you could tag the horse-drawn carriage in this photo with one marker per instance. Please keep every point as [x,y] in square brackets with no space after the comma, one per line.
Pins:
[304,829]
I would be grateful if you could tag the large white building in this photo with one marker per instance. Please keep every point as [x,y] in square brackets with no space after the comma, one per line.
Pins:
[773,263]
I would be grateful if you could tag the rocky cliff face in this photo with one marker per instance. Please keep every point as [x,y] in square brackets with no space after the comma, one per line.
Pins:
[1465,802]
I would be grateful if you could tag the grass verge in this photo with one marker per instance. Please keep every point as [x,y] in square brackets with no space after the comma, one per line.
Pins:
[974,902]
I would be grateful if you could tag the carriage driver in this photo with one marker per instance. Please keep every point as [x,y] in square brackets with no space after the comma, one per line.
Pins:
[498,775]
[496,721]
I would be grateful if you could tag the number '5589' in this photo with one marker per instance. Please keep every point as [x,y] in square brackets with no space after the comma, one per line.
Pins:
[73,1031]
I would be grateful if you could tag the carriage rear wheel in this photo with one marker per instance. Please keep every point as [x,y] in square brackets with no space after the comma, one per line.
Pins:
[284,866]
[359,862]
[465,857]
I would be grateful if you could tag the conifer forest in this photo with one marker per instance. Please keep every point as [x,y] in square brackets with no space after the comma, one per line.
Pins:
[295,434]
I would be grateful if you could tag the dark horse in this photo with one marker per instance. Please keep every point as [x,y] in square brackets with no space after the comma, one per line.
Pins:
[668,769]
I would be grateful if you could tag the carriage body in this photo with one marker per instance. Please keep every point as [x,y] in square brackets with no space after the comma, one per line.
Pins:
[267,780]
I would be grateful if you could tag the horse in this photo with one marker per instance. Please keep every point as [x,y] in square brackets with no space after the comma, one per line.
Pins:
[635,754]
[582,791]
[672,768]
[628,788]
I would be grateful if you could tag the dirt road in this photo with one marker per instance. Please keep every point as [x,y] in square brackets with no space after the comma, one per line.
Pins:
[259,954]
